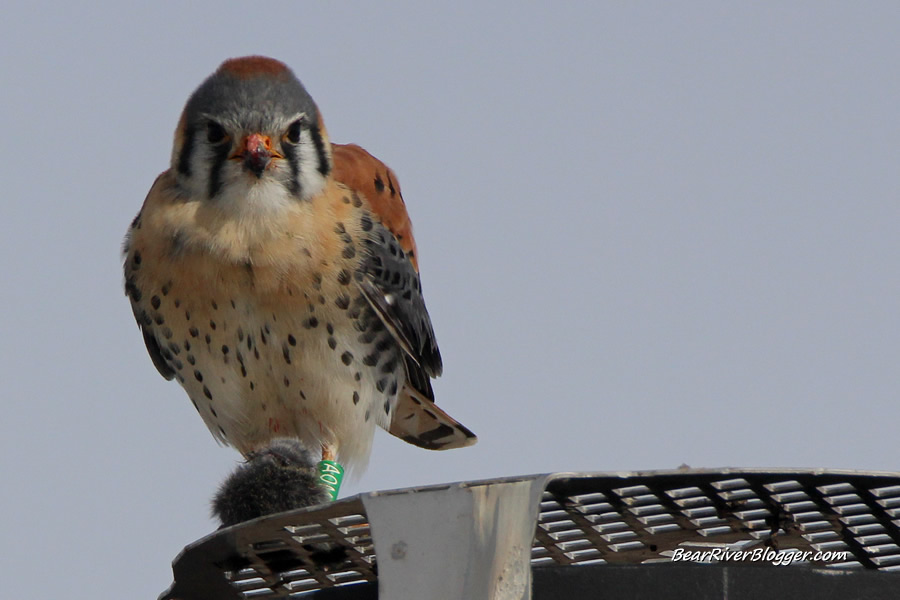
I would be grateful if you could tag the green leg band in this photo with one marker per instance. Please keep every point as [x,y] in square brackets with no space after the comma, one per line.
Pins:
[330,476]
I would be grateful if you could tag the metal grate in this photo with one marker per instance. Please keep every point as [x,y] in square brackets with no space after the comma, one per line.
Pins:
[287,555]
[584,519]
[644,518]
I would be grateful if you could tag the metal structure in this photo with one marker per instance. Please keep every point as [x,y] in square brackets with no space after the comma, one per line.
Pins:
[511,538]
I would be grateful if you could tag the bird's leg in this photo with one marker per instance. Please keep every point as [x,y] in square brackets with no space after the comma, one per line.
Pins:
[330,472]
[327,452]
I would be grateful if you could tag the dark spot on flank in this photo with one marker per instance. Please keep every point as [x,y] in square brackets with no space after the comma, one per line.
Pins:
[155,301]
[368,416]
[222,431]
[214,305]
[371,360]
[381,384]
[191,359]
[165,289]
[252,386]
[187,315]
[292,340]
[136,258]
[393,389]
[332,343]
[207,393]
[286,353]
[366,223]
[175,348]
[212,325]
[339,228]
[311,323]
[240,334]
[198,375]
[224,349]
[342,301]
[317,281]
[287,382]
[167,333]
[357,376]
[208,338]
[355,397]
[345,199]
[343,277]
[194,332]
[387,407]
[302,395]
[132,291]
[243,371]
[357,202]
[346,358]
[159,319]
[213,411]
[329,328]
[349,251]
[187,345]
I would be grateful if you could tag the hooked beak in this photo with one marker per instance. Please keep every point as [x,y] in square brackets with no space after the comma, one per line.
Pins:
[256,152]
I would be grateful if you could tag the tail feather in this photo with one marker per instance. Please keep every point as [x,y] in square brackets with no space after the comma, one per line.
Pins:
[421,422]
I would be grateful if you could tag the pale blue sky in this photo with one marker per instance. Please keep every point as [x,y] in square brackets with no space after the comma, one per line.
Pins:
[650,234]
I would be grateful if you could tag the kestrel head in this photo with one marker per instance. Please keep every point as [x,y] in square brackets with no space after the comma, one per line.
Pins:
[251,134]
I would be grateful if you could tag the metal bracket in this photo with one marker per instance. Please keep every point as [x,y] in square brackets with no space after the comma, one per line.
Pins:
[461,541]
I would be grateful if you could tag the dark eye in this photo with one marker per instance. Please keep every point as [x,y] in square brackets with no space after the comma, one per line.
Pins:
[215,133]
[293,132]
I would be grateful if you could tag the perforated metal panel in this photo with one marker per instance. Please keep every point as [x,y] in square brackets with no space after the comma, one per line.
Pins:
[847,520]
[281,556]
[584,519]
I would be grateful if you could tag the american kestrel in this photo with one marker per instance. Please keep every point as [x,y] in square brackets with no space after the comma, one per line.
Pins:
[274,275]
